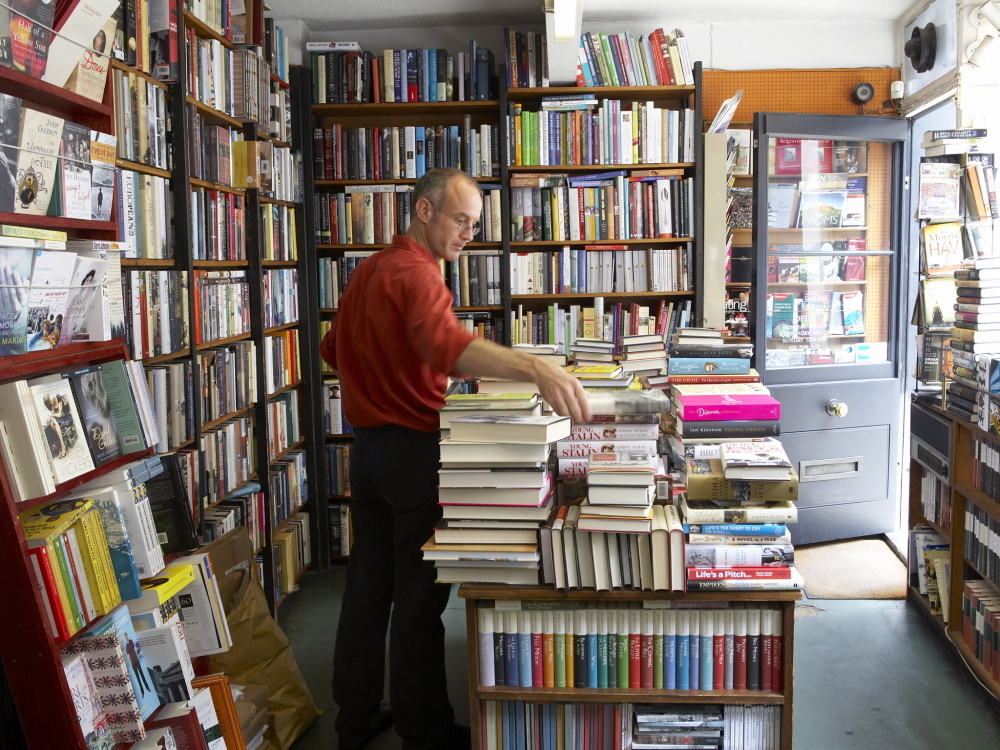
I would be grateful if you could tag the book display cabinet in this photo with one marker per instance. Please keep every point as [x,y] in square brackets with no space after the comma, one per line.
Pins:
[545,598]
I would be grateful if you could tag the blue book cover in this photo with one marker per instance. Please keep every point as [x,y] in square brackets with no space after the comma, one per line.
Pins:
[524,658]
[707,658]
[706,365]
[118,544]
[512,675]
[694,656]
[518,725]
[683,663]
[453,144]
[420,134]
[737,529]
[670,662]
[591,660]
[602,661]
[504,728]
[432,75]
[118,621]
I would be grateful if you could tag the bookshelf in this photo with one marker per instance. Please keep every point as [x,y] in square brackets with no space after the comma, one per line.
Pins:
[947,496]
[476,595]
[682,252]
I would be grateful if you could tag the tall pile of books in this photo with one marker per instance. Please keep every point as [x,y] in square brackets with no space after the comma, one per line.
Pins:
[975,344]
[736,489]
[644,356]
[495,490]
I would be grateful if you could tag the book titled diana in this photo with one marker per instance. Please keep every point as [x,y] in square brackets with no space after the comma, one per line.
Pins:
[708,365]
[728,406]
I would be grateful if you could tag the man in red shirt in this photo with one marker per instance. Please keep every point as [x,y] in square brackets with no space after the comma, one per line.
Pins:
[394,343]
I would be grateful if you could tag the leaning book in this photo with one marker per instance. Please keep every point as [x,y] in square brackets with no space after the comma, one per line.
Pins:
[62,429]
[96,415]
[36,162]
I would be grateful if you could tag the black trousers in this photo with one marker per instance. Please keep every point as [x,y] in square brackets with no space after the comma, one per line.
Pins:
[393,512]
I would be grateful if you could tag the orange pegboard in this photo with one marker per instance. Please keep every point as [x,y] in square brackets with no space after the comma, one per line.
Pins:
[826,91]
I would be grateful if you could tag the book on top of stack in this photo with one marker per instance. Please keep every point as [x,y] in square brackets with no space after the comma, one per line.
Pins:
[644,355]
[467,404]
[602,376]
[590,351]
[495,490]
[545,351]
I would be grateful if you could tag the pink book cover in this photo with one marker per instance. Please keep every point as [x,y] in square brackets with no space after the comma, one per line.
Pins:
[724,406]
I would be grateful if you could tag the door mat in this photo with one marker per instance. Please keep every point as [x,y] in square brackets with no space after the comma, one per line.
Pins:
[851,569]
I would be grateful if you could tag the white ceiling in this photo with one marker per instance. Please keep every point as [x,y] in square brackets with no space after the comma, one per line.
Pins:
[348,15]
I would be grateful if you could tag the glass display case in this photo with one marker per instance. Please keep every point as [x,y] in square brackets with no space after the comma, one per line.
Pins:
[828,252]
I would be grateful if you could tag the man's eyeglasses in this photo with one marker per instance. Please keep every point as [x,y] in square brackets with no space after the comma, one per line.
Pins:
[463,225]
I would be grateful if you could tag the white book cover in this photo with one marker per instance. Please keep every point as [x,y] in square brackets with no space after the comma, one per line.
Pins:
[62,429]
[39,139]
[51,274]
[88,279]
[168,661]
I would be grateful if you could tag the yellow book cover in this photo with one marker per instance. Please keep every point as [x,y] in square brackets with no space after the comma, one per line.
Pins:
[97,561]
[473,397]
[595,372]
[9,230]
[42,524]
[705,480]
[588,323]
[160,588]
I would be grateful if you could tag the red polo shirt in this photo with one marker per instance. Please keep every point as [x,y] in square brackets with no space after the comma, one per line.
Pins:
[395,339]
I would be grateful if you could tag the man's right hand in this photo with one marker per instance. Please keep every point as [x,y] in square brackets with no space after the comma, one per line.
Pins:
[562,391]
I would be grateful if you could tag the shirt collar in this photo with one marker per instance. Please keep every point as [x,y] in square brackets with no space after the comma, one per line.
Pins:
[406,243]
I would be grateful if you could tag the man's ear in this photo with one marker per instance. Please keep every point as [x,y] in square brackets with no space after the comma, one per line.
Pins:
[425,210]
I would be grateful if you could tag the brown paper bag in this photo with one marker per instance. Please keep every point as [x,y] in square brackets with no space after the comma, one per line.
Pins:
[261,654]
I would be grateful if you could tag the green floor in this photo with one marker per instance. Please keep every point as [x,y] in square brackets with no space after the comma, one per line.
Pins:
[869,675]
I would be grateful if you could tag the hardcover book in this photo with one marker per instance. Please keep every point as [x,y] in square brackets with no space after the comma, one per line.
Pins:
[61,429]
[91,72]
[87,281]
[737,406]
[708,365]
[51,274]
[94,725]
[942,247]
[505,428]
[102,158]
[706,511]
[756,461]
[705,480]
[168,661]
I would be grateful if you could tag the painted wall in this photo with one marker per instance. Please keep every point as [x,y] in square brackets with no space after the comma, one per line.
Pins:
[726,46]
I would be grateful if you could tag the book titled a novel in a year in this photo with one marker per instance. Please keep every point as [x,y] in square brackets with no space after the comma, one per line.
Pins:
[508,428]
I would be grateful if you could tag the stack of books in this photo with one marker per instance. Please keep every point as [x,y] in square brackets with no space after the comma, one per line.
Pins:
[644,355]
[495,489]
[610,375]
[589,351]
[975,346]
[466,404]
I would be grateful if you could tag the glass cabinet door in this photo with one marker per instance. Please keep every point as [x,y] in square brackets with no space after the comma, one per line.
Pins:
[828,247]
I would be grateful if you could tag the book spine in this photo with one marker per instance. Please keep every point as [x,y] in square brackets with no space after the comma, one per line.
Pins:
[739,573]
[735,412]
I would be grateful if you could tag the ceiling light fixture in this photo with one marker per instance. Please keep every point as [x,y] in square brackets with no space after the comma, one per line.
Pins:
[565,20]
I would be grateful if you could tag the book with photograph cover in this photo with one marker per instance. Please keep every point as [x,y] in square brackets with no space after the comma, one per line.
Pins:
[15,276]
[51,274]
[937,296]
[821,209]
[102,157]
[74,172]
[94,405]
[854,317]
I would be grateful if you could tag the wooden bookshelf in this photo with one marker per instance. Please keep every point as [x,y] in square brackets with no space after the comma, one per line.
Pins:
[591,295]
[406,109]
[475,594]
[570,168]
[205,31]
[135,166]
[542,244]
[634,93]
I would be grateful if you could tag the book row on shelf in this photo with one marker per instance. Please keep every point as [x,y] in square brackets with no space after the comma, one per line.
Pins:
[235,82]
[815,312]
[282,366]
[344,74]
[834,201]
[218,224]
[610,206]
[145,202]
[785,267]
[281,295]
[142,120]
[338,458]
[656,59]
[580,130]
[156,312]
[620,726]
[339,515]
[609,645]
[228,378]
[405,152]
[222,304]
[601,269]
[564,327]
[526,62]
[372,214]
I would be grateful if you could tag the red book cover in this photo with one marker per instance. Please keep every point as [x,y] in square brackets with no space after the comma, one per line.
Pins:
[741,573]
[183,721]
[766,656]
[719,654]
[537,673]
[664,51]
[777,656]
[51,593]
[740,661]
[376,81]
[585,721]
[772,269]
[646,666]
[634,661]
[854,268]
[787,156]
